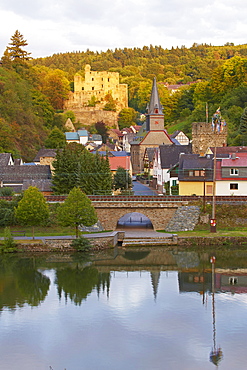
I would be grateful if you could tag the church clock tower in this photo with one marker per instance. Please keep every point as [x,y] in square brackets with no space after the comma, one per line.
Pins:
[154,113]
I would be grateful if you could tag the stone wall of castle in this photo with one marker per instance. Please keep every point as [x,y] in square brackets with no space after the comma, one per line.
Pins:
[204,137]
[97,84]
[88,116]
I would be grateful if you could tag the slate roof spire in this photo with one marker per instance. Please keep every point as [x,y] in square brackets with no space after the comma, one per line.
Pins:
[154,106]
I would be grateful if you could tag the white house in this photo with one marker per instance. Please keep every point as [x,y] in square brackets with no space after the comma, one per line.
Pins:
[231,174]
[164,158]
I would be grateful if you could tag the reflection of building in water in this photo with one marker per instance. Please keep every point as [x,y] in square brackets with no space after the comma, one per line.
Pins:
[231,281]
[198,281]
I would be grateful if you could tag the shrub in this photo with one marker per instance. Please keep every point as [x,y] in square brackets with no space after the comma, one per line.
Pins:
[81,244]
[5,192]
[9,244]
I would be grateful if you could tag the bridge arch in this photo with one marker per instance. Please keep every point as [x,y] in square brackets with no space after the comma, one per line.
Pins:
[133,220]
[158,211]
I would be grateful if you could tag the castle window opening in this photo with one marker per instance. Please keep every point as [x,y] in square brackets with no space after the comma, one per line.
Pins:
[234,186]
[108,79]
[92,79]
[92,88]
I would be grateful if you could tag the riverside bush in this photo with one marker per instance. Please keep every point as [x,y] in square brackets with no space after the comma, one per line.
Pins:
[81,244]
[9,244]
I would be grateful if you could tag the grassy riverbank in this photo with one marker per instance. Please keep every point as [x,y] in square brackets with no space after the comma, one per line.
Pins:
[205,232]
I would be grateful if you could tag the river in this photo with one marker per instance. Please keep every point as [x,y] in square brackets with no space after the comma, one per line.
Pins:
[146,308]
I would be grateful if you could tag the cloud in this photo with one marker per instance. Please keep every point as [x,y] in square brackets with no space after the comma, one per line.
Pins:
[59,26]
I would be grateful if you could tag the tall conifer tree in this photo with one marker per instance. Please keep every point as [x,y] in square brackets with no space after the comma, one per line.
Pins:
[15,49]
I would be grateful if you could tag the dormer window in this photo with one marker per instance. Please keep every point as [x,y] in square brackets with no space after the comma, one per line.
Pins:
[234,171]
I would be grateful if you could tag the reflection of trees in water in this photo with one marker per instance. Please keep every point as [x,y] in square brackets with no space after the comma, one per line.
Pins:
[21,283]
[78,283]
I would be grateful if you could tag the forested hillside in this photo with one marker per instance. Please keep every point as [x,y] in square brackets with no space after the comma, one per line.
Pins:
[32,91]
[220,73]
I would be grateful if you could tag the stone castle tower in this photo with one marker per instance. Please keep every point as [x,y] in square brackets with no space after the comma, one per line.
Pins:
[205,136]
[98,85]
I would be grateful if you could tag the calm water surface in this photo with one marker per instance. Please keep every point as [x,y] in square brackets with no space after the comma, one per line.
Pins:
[147,309]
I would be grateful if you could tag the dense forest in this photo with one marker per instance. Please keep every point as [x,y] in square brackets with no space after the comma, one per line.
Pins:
[32,91]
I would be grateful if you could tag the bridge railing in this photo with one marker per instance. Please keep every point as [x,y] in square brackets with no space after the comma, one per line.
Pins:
[148,198]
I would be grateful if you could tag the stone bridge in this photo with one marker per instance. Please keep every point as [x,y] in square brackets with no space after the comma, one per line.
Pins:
[159,211]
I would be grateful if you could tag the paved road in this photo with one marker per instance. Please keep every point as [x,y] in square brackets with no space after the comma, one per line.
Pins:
[141,189]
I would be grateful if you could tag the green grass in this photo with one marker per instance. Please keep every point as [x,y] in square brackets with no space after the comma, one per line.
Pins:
[205,232]
[46,231]
[41,231]
[178,126]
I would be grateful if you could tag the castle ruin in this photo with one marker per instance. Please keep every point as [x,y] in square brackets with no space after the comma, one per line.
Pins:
[204,135]
[97,86]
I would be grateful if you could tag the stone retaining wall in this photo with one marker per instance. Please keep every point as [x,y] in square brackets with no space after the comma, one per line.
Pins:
[184,219]
[64,245]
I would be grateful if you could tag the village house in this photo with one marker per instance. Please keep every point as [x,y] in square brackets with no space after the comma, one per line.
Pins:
[164,158]
[19,178]
[128,135]
[83,137]
[195,174]
[231,174]
[45,157]
[6,159]
[180,138]
[116,137]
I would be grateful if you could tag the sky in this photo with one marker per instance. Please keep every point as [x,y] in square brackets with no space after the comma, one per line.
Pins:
[58,26]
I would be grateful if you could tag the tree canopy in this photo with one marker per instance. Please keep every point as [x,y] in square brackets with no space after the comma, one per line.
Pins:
[32,209]
[122,179]
[76,210]
[74,166]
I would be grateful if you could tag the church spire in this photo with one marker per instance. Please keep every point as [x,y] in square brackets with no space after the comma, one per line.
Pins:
[154,106]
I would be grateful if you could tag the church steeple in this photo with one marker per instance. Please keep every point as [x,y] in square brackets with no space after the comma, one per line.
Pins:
[154,113]
[154,106]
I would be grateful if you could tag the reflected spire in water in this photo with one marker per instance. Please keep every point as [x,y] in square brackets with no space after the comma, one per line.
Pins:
[155,278]
[216,354]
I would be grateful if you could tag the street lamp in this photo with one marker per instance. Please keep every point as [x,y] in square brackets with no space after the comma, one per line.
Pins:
[216,126]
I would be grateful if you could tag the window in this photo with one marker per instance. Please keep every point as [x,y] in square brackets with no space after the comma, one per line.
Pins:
[234,171]
[92,79]
[209,189]
[197,173]
[233,280]
[191,173]
[174,182]
[92,88]
[233,186]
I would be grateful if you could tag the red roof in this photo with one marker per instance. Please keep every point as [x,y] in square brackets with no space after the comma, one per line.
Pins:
[116,131]
[116,162]
[238,162]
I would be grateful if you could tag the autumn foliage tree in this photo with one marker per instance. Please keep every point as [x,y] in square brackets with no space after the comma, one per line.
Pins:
[15,49]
